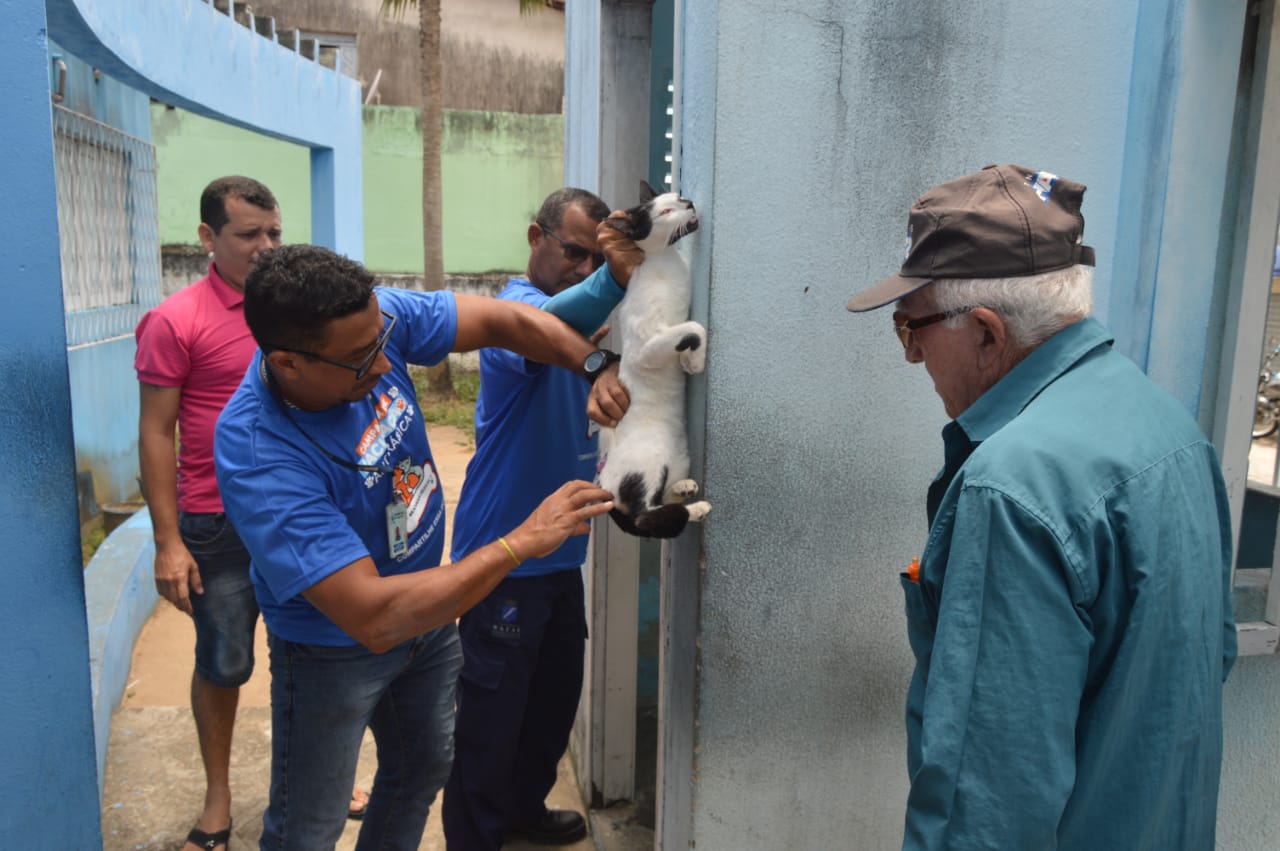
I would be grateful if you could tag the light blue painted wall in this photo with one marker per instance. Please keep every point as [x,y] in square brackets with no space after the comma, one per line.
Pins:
[104,392]
[46,740]
[581,84]
[807,132]
[1186,57]
[104,416]
[101,97]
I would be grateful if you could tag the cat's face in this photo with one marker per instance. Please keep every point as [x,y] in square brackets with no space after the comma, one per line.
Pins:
[659,221]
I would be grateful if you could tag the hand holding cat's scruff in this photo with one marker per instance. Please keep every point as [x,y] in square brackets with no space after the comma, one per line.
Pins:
[609,398]
[565,513]
[622,255]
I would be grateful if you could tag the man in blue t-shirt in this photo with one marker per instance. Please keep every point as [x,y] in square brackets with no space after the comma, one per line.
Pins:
[524,643]
[326,472]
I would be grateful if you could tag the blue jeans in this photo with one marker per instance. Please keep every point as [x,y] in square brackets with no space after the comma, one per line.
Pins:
[226,614]
[322,698]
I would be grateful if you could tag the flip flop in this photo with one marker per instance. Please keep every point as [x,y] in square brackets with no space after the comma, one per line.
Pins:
[356,811]
[210,841]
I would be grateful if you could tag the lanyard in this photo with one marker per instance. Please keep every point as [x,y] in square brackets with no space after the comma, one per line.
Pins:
[269,380]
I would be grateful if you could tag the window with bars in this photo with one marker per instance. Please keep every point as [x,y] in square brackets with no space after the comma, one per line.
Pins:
[108,227]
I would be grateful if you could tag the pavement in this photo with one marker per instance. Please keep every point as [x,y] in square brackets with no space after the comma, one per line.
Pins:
[154,785]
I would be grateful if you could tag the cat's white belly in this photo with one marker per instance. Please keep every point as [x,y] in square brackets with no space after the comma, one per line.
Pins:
[652,434]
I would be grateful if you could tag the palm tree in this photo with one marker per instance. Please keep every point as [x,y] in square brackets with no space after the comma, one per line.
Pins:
[439,379]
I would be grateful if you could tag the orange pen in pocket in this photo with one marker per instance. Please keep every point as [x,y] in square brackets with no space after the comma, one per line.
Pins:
[913,570]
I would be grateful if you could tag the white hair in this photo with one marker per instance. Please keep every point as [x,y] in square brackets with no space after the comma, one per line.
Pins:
[1034,307]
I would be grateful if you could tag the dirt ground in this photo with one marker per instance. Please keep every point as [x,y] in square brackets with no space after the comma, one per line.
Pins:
[154,784]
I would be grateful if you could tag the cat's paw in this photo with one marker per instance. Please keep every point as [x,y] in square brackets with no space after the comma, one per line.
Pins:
[698,510]
[684,489]
[693,360]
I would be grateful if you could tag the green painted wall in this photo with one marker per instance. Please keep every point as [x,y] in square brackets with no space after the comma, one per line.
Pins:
[192,150]
[497,168]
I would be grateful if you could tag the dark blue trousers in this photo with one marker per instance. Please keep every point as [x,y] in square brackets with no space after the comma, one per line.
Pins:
[523,649]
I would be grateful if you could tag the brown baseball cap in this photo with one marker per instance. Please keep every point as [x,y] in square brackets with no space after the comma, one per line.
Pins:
[1006,221]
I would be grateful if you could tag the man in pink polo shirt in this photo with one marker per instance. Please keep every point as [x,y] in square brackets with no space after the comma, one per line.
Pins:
[192,353]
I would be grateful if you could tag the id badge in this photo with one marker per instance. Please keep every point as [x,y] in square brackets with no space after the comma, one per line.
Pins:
[397,528]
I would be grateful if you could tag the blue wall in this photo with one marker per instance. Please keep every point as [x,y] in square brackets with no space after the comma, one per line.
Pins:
[191,55]
[104,416]
[99,96]
[807,132]
[46,740]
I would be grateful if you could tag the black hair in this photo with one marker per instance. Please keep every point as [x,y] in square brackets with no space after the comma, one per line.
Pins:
[551,213]
[294,291]
[213,200]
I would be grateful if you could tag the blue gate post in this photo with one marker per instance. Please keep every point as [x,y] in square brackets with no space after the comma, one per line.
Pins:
[46,741]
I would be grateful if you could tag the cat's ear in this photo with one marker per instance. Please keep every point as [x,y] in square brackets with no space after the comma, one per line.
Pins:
[647,192]
[623,224]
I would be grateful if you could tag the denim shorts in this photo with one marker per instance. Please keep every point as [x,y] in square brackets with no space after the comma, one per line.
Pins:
[227,612]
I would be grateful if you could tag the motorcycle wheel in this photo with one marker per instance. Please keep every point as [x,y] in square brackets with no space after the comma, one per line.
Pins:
[1264,420]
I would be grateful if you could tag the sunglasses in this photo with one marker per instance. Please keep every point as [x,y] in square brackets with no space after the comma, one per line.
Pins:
[904,330]
[360,369]
[573,252]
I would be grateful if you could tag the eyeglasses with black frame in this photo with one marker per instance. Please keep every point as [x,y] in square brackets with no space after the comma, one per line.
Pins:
[904,330]
[573,252]
[360,369]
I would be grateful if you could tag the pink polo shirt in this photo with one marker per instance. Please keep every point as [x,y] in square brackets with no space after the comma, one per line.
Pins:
[196,339]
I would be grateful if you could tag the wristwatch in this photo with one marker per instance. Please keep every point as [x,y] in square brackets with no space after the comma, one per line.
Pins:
[597,362]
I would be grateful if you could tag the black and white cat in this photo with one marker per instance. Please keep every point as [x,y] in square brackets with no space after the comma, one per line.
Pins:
[647,462]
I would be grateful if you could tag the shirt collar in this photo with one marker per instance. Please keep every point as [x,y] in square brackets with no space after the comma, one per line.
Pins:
[1044,365]
[227,294]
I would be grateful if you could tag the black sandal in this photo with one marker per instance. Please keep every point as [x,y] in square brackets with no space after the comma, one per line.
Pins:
[210,841]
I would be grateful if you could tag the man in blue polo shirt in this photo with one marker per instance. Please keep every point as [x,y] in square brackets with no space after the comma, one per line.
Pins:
[524,643]
[1070,614]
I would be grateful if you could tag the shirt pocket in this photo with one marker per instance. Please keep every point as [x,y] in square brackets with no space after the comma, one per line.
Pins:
[920,628]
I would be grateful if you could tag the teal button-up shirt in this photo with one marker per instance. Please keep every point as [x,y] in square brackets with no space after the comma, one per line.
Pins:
[1072,623]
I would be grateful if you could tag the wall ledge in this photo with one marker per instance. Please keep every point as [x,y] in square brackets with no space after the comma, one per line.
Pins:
[120,594]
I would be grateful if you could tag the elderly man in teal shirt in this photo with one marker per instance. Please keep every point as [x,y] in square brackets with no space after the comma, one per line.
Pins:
[1070,614]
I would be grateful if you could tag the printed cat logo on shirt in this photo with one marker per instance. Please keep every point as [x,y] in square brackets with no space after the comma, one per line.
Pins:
[413,485]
